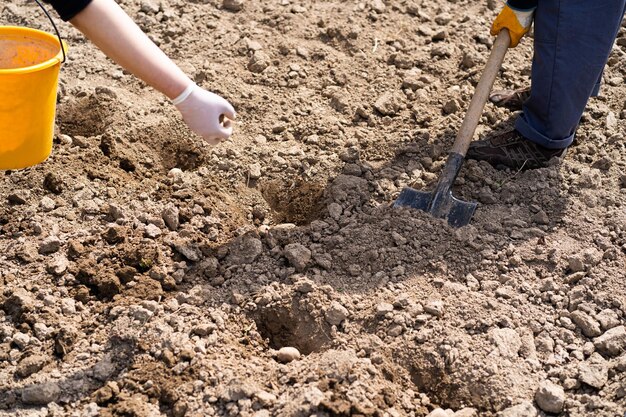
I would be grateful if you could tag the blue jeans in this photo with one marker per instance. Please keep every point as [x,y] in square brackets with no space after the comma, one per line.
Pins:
[573,40]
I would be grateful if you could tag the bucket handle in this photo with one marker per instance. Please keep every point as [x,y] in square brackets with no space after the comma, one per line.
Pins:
[55,29]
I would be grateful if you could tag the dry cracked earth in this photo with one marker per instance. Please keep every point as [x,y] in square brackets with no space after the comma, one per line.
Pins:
[143,273]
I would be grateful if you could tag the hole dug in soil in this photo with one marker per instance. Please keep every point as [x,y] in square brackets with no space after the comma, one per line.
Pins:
[465,381]
[90,115]
[170,145]
[182,154]
[298,202]
[289,325]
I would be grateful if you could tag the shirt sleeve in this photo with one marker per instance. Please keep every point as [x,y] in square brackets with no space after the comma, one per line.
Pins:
[67,9]
[522,4]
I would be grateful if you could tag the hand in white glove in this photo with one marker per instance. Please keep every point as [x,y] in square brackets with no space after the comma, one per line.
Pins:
[206,114]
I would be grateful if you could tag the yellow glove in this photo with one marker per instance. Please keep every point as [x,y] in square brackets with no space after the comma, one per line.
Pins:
[516,21]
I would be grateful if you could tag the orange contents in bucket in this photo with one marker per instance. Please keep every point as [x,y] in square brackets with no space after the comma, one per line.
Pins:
[21,52]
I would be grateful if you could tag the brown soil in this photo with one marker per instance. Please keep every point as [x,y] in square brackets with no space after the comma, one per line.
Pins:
[144,273]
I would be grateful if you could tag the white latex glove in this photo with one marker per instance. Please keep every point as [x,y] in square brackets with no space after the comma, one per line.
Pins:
[206,114]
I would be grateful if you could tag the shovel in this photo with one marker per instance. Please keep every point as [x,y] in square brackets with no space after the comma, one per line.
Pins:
[441,203]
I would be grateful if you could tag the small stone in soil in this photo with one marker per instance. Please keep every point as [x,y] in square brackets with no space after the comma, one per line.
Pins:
[170,217]
[259,62]
[550,397]
[254,171]
[58,265]
[451,107]
[589,326]
[106,393]
[50,245]
[336,313]
[30,365]
[19,197]
[204,329]
[152,231]
[41,394]
[47,204]
[613,342]
[438,412]
[245,250]
[298,255]
[287,354]
[378,6]
[594,372]
[525,409]
[383,308]
[21,340]
[435,308]
[389,104]
[304,285]
[176,174]
[466,412]
[233,5]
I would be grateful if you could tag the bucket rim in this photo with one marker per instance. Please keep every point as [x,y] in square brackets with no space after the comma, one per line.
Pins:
[55,60]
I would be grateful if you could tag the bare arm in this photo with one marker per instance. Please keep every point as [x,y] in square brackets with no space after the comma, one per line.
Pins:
[115,33]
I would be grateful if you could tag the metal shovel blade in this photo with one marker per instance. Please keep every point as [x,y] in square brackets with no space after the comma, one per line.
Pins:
[441,203]
[457,212]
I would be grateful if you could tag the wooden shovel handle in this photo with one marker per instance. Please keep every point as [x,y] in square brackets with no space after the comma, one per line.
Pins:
[475,110]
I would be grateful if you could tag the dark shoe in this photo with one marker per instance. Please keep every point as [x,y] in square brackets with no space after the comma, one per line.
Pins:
[512,150]
[511,99]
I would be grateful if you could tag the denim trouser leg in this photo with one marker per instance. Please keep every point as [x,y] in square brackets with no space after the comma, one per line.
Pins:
[573,40]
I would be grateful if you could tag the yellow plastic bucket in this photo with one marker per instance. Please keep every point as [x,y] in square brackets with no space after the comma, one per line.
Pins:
[29,76]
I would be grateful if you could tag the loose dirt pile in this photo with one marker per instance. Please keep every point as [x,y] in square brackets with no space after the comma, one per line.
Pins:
[143,273]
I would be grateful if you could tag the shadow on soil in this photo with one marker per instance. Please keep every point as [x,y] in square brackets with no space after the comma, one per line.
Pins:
[359,243]
[119,356]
